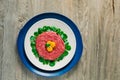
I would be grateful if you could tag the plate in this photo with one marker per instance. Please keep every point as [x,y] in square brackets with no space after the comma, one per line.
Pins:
[65,24]
[51,22]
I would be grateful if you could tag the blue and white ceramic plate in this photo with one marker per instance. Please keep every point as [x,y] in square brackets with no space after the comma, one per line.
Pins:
[51,19]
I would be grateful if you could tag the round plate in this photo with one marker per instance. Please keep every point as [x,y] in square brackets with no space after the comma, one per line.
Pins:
[50,22]
[66,25]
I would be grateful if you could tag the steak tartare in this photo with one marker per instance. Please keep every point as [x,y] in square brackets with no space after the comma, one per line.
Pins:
[49,45]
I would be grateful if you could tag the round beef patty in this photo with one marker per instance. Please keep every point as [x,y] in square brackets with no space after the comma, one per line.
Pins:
[41,41]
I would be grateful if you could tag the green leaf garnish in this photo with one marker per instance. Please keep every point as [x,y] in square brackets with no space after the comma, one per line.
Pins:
[41,59]
[32,38]
[39,30]
[52,63]
[47,45]
[33,47]
[65,36]
[53,29]
[58,31]
[47,61]
[66,42]
[60,58]
[32,43]
[61,33]
[35,52]
[45,28]
[65,53]
[36,33]
[68,47]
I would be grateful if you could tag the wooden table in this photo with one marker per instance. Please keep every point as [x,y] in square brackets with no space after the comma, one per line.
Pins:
[98,21]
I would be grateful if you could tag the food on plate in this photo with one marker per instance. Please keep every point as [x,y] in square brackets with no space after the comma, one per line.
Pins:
[50,45]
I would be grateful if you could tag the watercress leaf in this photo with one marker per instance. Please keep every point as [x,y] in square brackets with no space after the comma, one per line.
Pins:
[32,38]
[53,28]
[46,61]
[65,53]
[68,47]
[41,59]
[52,63]
[39,30]
[36,33]
[32,43]
[47,45]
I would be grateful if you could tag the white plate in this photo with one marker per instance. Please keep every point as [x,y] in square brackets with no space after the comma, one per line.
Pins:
[50,22]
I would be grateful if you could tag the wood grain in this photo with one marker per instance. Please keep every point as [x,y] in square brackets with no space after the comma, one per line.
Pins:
[98,21]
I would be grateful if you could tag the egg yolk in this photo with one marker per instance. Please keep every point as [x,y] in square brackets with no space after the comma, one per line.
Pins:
[50,45]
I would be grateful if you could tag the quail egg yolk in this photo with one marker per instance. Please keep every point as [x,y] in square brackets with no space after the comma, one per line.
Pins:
[50,45]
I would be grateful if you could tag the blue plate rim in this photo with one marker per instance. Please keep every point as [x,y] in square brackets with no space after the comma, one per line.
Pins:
[22,34]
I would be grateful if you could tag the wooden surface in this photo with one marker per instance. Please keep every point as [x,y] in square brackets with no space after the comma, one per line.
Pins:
[98,21]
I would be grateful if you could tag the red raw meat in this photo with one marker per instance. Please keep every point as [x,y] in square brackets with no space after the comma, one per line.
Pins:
[42,39]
